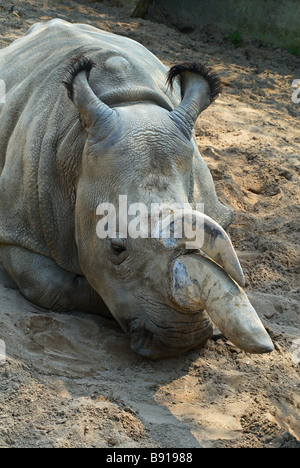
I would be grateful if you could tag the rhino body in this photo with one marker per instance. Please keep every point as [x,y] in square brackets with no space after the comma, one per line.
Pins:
[58,161]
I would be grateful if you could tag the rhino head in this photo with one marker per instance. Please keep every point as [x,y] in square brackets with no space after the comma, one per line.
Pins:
[164,295]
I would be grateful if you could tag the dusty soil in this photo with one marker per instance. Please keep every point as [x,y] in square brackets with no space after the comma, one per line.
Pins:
[70,380]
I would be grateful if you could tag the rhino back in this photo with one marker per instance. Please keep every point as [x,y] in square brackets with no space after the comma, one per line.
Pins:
[41,136]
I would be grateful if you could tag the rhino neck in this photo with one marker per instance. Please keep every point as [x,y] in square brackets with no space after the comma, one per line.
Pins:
[59,173]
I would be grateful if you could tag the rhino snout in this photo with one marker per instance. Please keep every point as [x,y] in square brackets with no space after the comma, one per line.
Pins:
[154,341]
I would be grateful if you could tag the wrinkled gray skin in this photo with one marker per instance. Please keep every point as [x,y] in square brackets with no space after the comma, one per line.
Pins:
[59,159]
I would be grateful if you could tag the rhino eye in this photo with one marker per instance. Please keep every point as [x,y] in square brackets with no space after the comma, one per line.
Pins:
[118,246]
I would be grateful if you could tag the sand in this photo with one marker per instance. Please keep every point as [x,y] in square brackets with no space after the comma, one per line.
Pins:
[70,380]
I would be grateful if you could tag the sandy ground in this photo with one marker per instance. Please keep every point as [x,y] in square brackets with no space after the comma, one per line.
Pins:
[72,381]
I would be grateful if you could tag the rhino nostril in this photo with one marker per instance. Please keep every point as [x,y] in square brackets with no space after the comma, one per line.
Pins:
[144,340]
[140,331]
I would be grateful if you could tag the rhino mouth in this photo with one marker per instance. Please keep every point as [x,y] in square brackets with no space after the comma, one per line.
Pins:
[154,341]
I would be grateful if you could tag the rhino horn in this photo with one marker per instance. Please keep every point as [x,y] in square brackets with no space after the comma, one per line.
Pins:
[200,86]
[94,112]
[211,239]
[198,283]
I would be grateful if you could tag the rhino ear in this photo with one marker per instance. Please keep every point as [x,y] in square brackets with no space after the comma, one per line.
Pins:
[94,113]
[200,86]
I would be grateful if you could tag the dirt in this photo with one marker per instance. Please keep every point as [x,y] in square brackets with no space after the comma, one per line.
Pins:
[70,380]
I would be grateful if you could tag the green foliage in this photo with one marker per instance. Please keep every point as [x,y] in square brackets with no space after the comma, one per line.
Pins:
[295,50]
[235,39]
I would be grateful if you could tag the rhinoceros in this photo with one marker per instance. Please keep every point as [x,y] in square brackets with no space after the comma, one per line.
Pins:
[89,116]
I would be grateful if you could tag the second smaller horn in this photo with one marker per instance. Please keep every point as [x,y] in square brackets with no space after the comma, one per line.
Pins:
[212,239]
